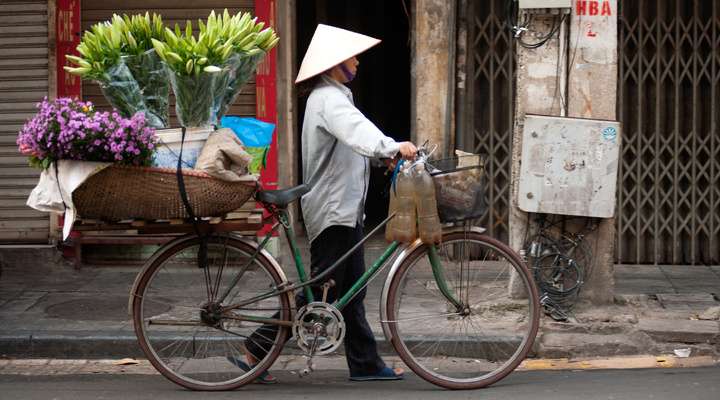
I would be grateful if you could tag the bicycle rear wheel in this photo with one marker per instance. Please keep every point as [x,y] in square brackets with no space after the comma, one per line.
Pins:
[178,318]
[479,336]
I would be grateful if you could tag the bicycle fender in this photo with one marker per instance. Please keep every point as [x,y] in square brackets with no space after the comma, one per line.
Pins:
[396,266]
[386,287]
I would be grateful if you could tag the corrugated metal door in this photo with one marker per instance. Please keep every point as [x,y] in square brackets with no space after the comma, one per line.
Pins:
[93,11]
[669,104]
[485,119]
[23,82]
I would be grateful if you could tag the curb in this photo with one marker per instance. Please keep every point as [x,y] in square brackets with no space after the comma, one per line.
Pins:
[63,345]
[619,362]
[97,345]
[35,366]
[122,344]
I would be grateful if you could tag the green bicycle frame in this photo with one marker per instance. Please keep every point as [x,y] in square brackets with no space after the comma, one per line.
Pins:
[305,283]
[358,285]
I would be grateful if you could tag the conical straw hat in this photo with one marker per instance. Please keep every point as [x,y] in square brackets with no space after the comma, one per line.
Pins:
[329,47]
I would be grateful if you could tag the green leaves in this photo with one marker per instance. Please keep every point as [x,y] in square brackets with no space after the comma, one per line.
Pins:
[102,46]
[100,49]
[221,36]
[139,30]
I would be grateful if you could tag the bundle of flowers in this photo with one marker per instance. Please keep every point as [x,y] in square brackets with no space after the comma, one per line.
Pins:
[208,71]
[135,58]
[119,56]
[67,129]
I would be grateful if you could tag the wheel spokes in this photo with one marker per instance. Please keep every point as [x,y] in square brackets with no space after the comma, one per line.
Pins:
[483,338]
[184,327]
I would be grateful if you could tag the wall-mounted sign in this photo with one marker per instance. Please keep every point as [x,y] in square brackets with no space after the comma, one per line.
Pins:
[67,37]
[569,166]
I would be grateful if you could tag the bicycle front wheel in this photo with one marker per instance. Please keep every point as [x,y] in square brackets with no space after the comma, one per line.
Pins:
[468,321]
[179,318]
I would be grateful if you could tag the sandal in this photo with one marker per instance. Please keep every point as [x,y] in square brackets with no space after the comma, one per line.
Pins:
[385,374]
[264,378]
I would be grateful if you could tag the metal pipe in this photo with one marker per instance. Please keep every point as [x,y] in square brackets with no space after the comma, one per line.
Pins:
[563,59]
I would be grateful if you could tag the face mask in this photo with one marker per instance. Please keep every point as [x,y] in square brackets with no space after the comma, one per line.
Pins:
[348,74]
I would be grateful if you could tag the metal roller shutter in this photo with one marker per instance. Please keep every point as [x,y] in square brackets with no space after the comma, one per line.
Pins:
[94,11]
[23,82]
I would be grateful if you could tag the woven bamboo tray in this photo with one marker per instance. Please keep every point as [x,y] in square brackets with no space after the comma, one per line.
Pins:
[122,192]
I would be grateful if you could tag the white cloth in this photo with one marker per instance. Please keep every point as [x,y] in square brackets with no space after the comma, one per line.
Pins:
[53,192]
[336,141]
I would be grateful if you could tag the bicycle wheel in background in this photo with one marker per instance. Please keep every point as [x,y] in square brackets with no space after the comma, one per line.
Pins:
[558,274]
[177,319]
[483,340]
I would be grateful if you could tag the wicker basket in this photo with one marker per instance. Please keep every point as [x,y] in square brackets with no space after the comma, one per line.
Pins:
[123,192]
[460,191]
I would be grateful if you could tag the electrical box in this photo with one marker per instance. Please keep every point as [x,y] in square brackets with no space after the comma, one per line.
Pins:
[569,166]
[545,4]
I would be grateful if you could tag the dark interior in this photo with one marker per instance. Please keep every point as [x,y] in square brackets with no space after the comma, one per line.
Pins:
[382,87]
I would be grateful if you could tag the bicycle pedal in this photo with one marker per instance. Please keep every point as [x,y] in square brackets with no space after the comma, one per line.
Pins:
[307,370]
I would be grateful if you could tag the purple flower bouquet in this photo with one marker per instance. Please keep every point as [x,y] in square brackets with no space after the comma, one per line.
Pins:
[67,129]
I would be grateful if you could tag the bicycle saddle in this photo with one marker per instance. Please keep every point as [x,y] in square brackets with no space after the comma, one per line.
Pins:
[282,197]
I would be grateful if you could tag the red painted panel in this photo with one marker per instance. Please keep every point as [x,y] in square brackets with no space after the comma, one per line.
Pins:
[67,36]
[266,97]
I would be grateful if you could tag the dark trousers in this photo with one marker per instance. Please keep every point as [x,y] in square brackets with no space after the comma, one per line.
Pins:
[360,347]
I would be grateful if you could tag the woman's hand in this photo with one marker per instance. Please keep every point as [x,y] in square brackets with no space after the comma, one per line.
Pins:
[408,150]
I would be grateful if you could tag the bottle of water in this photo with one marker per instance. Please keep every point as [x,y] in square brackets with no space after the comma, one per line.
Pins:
[427,213]
[403,227]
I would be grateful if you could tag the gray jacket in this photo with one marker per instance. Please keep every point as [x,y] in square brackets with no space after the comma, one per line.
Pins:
[336,141]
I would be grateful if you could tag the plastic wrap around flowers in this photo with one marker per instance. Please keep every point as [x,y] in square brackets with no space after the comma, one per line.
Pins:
[66,129]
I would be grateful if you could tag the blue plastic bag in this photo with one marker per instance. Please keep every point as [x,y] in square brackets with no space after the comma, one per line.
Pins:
[252,132]
[256,135]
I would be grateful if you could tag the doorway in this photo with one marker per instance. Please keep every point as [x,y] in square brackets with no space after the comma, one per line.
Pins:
[382,87]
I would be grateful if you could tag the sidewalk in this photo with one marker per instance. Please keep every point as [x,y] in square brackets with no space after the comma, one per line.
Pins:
[48,309]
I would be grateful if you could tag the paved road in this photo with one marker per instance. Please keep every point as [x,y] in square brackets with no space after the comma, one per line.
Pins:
[685,384]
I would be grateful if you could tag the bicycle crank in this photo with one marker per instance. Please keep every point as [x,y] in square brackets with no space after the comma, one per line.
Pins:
[310,367]
[319,328]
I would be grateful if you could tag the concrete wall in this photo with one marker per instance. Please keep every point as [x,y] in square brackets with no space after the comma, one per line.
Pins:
[287,135]
[433,49]
[590,64]
[592,93]
[538,91]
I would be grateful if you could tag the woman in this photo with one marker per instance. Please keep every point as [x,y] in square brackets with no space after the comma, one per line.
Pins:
[337,140]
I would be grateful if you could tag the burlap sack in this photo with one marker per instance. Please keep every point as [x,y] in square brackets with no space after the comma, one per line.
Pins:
[224,157]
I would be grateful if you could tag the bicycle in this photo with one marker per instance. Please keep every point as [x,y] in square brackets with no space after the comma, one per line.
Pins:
[447,309]
[559,262]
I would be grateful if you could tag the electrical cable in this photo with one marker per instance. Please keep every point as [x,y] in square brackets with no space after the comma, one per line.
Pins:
[557,22]
[405,8]
[562,57]
[519,29]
